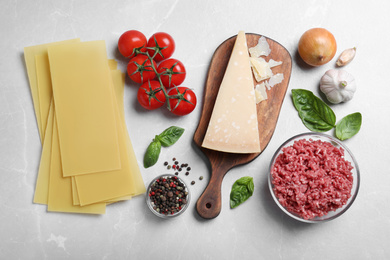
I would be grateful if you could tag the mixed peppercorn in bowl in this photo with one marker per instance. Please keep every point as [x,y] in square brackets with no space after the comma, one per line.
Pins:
[313,177]
[168,196]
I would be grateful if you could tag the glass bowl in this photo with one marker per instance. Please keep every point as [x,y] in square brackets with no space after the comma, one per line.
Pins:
[347,156]
[163,189]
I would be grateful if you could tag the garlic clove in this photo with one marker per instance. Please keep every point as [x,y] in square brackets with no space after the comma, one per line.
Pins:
[346,57]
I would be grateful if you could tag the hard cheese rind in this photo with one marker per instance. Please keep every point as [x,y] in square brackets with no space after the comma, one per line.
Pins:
[233,125]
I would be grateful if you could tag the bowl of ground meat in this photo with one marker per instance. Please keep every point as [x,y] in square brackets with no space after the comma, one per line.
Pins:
[313,177]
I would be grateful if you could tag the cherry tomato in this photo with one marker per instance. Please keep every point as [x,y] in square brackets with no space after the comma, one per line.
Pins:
[150,95]
[173,71]
[163,44]
[140,69]
[182,100]
[130,42]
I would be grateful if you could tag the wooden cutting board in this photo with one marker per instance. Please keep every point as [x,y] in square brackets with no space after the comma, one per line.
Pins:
[209,203]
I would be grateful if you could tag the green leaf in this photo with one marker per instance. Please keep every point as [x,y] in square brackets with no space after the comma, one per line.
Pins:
[152,153]
[241,191]
[316,115]
[348,126]
[170,135]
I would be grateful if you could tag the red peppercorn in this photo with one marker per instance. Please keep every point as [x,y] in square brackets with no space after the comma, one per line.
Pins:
[174,166]
[153,193]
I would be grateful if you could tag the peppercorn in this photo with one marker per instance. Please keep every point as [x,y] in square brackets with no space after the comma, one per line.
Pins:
[193,182]
[201,178]
[165,163]
[165,194]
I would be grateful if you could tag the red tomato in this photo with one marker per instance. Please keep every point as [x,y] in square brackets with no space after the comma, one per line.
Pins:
[163,44]
[131,42]
[182,100]
[140,69]
[173,71]
[150,95]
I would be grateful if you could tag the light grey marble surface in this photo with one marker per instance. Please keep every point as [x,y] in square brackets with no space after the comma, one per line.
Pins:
[257,229]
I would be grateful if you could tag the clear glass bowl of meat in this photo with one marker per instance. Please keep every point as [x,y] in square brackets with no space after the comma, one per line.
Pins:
[313,177]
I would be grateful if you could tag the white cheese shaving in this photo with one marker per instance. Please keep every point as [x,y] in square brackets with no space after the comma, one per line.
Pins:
[261,69]
[273,63]
[275,79]
[260,92]
[261,49]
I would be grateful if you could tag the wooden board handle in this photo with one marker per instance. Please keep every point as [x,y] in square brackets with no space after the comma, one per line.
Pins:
[210,202]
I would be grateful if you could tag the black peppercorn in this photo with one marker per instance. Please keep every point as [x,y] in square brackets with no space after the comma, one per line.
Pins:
[167,195]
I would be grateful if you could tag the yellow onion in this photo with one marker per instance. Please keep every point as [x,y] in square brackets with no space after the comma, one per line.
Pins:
[317,46]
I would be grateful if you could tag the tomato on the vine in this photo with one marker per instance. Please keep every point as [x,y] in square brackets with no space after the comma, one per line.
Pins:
[132,42]
[182,100]
[163,44]
[150,95]
[172,72]
[140,69]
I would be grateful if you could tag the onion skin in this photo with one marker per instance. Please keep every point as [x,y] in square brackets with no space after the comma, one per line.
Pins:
[317,46]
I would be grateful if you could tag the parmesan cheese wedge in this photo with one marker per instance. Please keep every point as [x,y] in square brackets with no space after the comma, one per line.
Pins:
[233,125]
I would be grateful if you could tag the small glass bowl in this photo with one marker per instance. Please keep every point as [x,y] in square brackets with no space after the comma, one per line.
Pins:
[151,205]
[347,156]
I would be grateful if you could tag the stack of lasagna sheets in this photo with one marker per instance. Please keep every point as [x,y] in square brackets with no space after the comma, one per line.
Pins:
[87,158]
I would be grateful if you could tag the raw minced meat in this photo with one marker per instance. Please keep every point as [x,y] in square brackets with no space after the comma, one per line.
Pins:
[312,178]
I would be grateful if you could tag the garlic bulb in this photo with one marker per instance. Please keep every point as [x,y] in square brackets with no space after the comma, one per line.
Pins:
[338,86]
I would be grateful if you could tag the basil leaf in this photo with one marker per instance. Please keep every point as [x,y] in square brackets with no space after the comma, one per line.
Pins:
[152,153]
[348,126]
[316,115]
[241,191]
[170,135]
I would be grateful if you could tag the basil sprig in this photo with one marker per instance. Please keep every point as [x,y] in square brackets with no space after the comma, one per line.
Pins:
[348,126]
[170,136]
[152,153]
[241,191]
[317,116]
[167,138]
